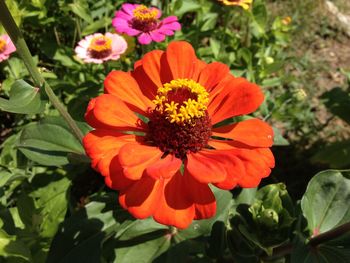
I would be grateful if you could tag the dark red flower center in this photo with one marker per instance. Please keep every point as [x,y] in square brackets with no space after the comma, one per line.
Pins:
[100,47]
[180,122]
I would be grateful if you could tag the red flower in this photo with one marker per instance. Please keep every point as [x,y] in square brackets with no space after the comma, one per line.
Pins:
[162,166]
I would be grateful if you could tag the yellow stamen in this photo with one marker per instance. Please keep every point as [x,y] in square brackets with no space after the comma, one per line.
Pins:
[182,112]
[2,44]
[145,14]
[100,43]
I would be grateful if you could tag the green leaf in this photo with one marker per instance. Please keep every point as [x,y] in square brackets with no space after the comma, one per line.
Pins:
[48,142]
[198,228]
[338,102]
[24,99]
[81,236]
[51,201]
[278,139]
[325,203]
[336,154]
[11,247]
[81,11]
[95,26]
[209,21]
[187,6]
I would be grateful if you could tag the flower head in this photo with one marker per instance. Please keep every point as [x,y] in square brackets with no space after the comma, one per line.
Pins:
[144,22]
[243,3]
[6,47]
[163,162]
[97,48]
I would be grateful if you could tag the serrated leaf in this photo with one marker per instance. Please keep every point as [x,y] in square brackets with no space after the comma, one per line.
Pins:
[24,99]
[325,203]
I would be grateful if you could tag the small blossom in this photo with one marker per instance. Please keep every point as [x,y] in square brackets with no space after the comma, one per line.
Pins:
[287,20]
[6,47]
[243,3]
[144,22]
[98,48]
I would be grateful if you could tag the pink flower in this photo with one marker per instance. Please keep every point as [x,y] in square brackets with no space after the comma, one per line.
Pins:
[98,48]
[138,20]
[6,47]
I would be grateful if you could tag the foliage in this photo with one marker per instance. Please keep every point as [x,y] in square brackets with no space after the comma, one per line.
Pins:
[53,206]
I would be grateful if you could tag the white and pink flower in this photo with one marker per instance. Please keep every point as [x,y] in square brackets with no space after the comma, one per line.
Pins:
[98,48]
[6,47]
[143,22]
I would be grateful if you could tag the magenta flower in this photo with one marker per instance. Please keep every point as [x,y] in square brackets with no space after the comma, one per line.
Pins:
[98,48]
[144,22]
[6,47]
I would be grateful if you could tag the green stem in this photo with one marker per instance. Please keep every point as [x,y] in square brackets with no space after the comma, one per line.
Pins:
[22,49]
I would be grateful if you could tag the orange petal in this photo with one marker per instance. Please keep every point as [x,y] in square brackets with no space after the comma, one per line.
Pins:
[165,167]
[98,143]
[198,67]
[149,89]
[202,197]
[111,111]
[135,158]
[115,178]
[207,166]
[253,132]
[236,172]
[181,58]
[238,97]
[125,87]
[174,207]
[212,74]
[151,66]
[141,199]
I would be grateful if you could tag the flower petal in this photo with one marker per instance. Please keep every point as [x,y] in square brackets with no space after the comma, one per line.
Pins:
[253,132]
[174,207]
[135,158]
[181,58]
[151,66]
[144,38]
[212,74]
[237,97]
[112,112]
[125,87]
[207,166]
[165,167]
[142,198]
[202,197]
[157,36]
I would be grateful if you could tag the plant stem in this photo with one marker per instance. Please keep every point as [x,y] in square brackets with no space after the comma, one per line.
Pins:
[22,49]
[330,234]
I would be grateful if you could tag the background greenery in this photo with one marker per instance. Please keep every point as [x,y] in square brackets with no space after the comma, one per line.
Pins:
[55,208]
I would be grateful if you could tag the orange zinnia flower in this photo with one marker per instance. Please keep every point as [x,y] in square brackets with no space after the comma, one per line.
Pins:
[163,162]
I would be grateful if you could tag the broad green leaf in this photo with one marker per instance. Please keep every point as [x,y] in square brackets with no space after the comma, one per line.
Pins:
[325,203]
[51,201]
[95,26]
[24,99]
[48,143]
[81,11]
[209,21]
[4,176]
[81,236]
[11,247]
[336,154]
[187,6]
[198,228]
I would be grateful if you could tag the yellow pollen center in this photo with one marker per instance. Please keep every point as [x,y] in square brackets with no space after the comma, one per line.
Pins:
[181,101]
[143,13]
[2,45]
[100,43]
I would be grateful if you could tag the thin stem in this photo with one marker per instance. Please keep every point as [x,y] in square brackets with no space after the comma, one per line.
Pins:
[22,49]
[329,235]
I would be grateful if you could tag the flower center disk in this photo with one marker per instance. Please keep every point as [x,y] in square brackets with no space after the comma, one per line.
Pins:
[145,19]
[2,45]
[100,47]
[180,123]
